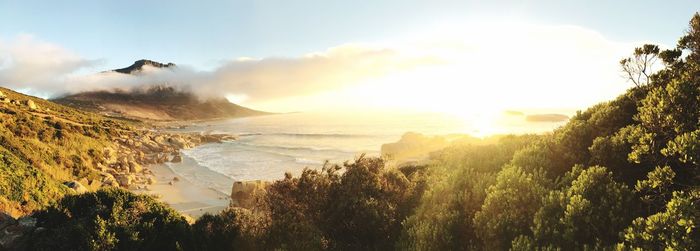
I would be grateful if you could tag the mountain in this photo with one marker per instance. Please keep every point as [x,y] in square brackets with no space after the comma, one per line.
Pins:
[158,102]
[138,66]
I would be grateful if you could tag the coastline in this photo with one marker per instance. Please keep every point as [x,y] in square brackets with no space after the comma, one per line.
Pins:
[181,194]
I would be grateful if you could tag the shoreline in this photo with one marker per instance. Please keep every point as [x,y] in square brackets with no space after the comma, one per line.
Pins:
[184,196]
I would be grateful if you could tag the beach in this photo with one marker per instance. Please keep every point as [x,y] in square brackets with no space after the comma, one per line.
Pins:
[184,196]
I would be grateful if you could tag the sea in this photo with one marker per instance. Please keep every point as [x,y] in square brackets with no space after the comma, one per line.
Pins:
[270,146]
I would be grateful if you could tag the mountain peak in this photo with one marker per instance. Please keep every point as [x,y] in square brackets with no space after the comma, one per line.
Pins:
[139,64]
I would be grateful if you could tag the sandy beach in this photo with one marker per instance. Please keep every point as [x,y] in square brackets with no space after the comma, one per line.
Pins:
[184,196]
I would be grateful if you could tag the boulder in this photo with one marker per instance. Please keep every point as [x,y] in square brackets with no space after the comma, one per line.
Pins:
[149,145]
[2,95]
[109,154]
[31,105]
[177,142]
[135,167]
[151,180]
[124,162]
[177,158]
[76,186]
[26,221]
[160,139]
[125,180]
[245,193]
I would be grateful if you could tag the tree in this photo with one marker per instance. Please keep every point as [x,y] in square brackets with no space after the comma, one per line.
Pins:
[110,219]
[676,228]
[509,207]
[638,67]
[589,213]
[232,229]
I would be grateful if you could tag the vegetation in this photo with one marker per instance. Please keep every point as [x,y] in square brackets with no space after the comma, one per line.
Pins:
[622,175]
[42,148]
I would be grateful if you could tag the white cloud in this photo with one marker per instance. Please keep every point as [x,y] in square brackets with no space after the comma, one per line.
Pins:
[459,69]
[27,63]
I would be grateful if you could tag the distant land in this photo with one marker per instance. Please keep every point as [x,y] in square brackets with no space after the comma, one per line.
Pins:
[546,117]
[157,102]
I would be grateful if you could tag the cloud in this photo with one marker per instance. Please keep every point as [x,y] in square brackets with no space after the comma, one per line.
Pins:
[458,69]
[27,63]
[44,68]
[334,68]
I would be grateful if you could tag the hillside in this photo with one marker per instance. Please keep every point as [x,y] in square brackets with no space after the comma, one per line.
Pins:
[49,150]
[42,145]
[157,102]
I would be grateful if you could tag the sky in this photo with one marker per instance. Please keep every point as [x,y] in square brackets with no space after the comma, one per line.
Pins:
[445,56]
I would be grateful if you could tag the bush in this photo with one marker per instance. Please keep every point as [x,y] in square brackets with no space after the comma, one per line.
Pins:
[111,219]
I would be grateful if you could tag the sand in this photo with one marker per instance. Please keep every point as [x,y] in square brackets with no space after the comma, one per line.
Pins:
[184,196]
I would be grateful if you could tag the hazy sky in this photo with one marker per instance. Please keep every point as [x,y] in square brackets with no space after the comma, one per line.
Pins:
[202,33]
[293,55]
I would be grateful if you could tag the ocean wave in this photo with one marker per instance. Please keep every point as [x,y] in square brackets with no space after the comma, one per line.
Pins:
[309,135]
[245,134]
[296,148]
[308,161]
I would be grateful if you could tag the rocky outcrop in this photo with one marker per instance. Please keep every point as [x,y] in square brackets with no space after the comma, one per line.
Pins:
[76,186]
[3,98]
[413,146]
[245,194]
[30,104]
[126,164]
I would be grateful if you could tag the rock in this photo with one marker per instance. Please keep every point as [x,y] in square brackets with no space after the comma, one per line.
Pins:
[125,180]
[162,158]
[413,146]
[160,139]
[27,221]
[150,145]
[176,158]
[109,154]
[95,184]
[2,95]
[178,142]
[151,180]
[245,193]
[135,167]
[100,167]
[176,179]
[76,186]
[108,179]
[170,183]
[29,103]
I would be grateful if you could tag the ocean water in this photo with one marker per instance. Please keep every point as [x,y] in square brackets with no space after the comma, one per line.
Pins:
[269,146]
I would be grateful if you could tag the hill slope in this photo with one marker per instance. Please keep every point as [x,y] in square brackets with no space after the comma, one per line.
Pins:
[158,102]
[43,144]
